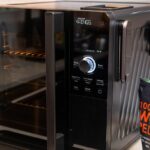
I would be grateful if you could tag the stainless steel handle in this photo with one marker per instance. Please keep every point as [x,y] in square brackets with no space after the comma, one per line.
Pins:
[53,23]
[123,52]
[124,45]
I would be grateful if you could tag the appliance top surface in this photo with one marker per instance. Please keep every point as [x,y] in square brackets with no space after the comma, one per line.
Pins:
[71,5]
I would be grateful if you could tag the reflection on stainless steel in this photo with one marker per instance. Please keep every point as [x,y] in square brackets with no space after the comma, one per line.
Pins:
[16,71]
[83,147]
[4,128]
[28,95]
[36,106]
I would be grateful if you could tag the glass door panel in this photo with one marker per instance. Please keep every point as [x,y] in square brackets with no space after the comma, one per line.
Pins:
[22,79]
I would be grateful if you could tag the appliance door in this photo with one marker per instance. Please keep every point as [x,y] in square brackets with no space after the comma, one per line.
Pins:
[56,97]
[22,79]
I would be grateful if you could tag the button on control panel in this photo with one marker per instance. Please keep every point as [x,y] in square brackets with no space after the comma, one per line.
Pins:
[76,88]
[89,87]
[88,81]
[100,82]
[76,79]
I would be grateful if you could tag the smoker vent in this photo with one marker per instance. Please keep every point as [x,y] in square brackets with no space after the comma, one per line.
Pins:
[140,64]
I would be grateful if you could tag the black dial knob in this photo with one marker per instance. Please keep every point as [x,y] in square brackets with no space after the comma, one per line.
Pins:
[87,65]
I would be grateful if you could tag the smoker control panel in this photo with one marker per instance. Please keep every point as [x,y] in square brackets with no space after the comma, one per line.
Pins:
[89,78]
[89,55]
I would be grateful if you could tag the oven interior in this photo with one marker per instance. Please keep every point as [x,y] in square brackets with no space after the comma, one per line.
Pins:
[23,79]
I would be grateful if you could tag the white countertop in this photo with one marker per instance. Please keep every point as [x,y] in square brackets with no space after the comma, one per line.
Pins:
[136,146]
[32,1]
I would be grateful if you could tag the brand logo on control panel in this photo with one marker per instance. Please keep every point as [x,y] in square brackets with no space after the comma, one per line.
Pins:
[84,21]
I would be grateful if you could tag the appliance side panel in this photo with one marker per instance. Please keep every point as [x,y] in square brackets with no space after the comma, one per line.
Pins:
[125,122]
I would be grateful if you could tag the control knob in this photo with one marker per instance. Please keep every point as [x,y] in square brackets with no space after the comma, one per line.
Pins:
[87,65]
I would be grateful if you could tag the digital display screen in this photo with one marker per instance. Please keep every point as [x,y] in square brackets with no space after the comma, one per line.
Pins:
[89,36]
